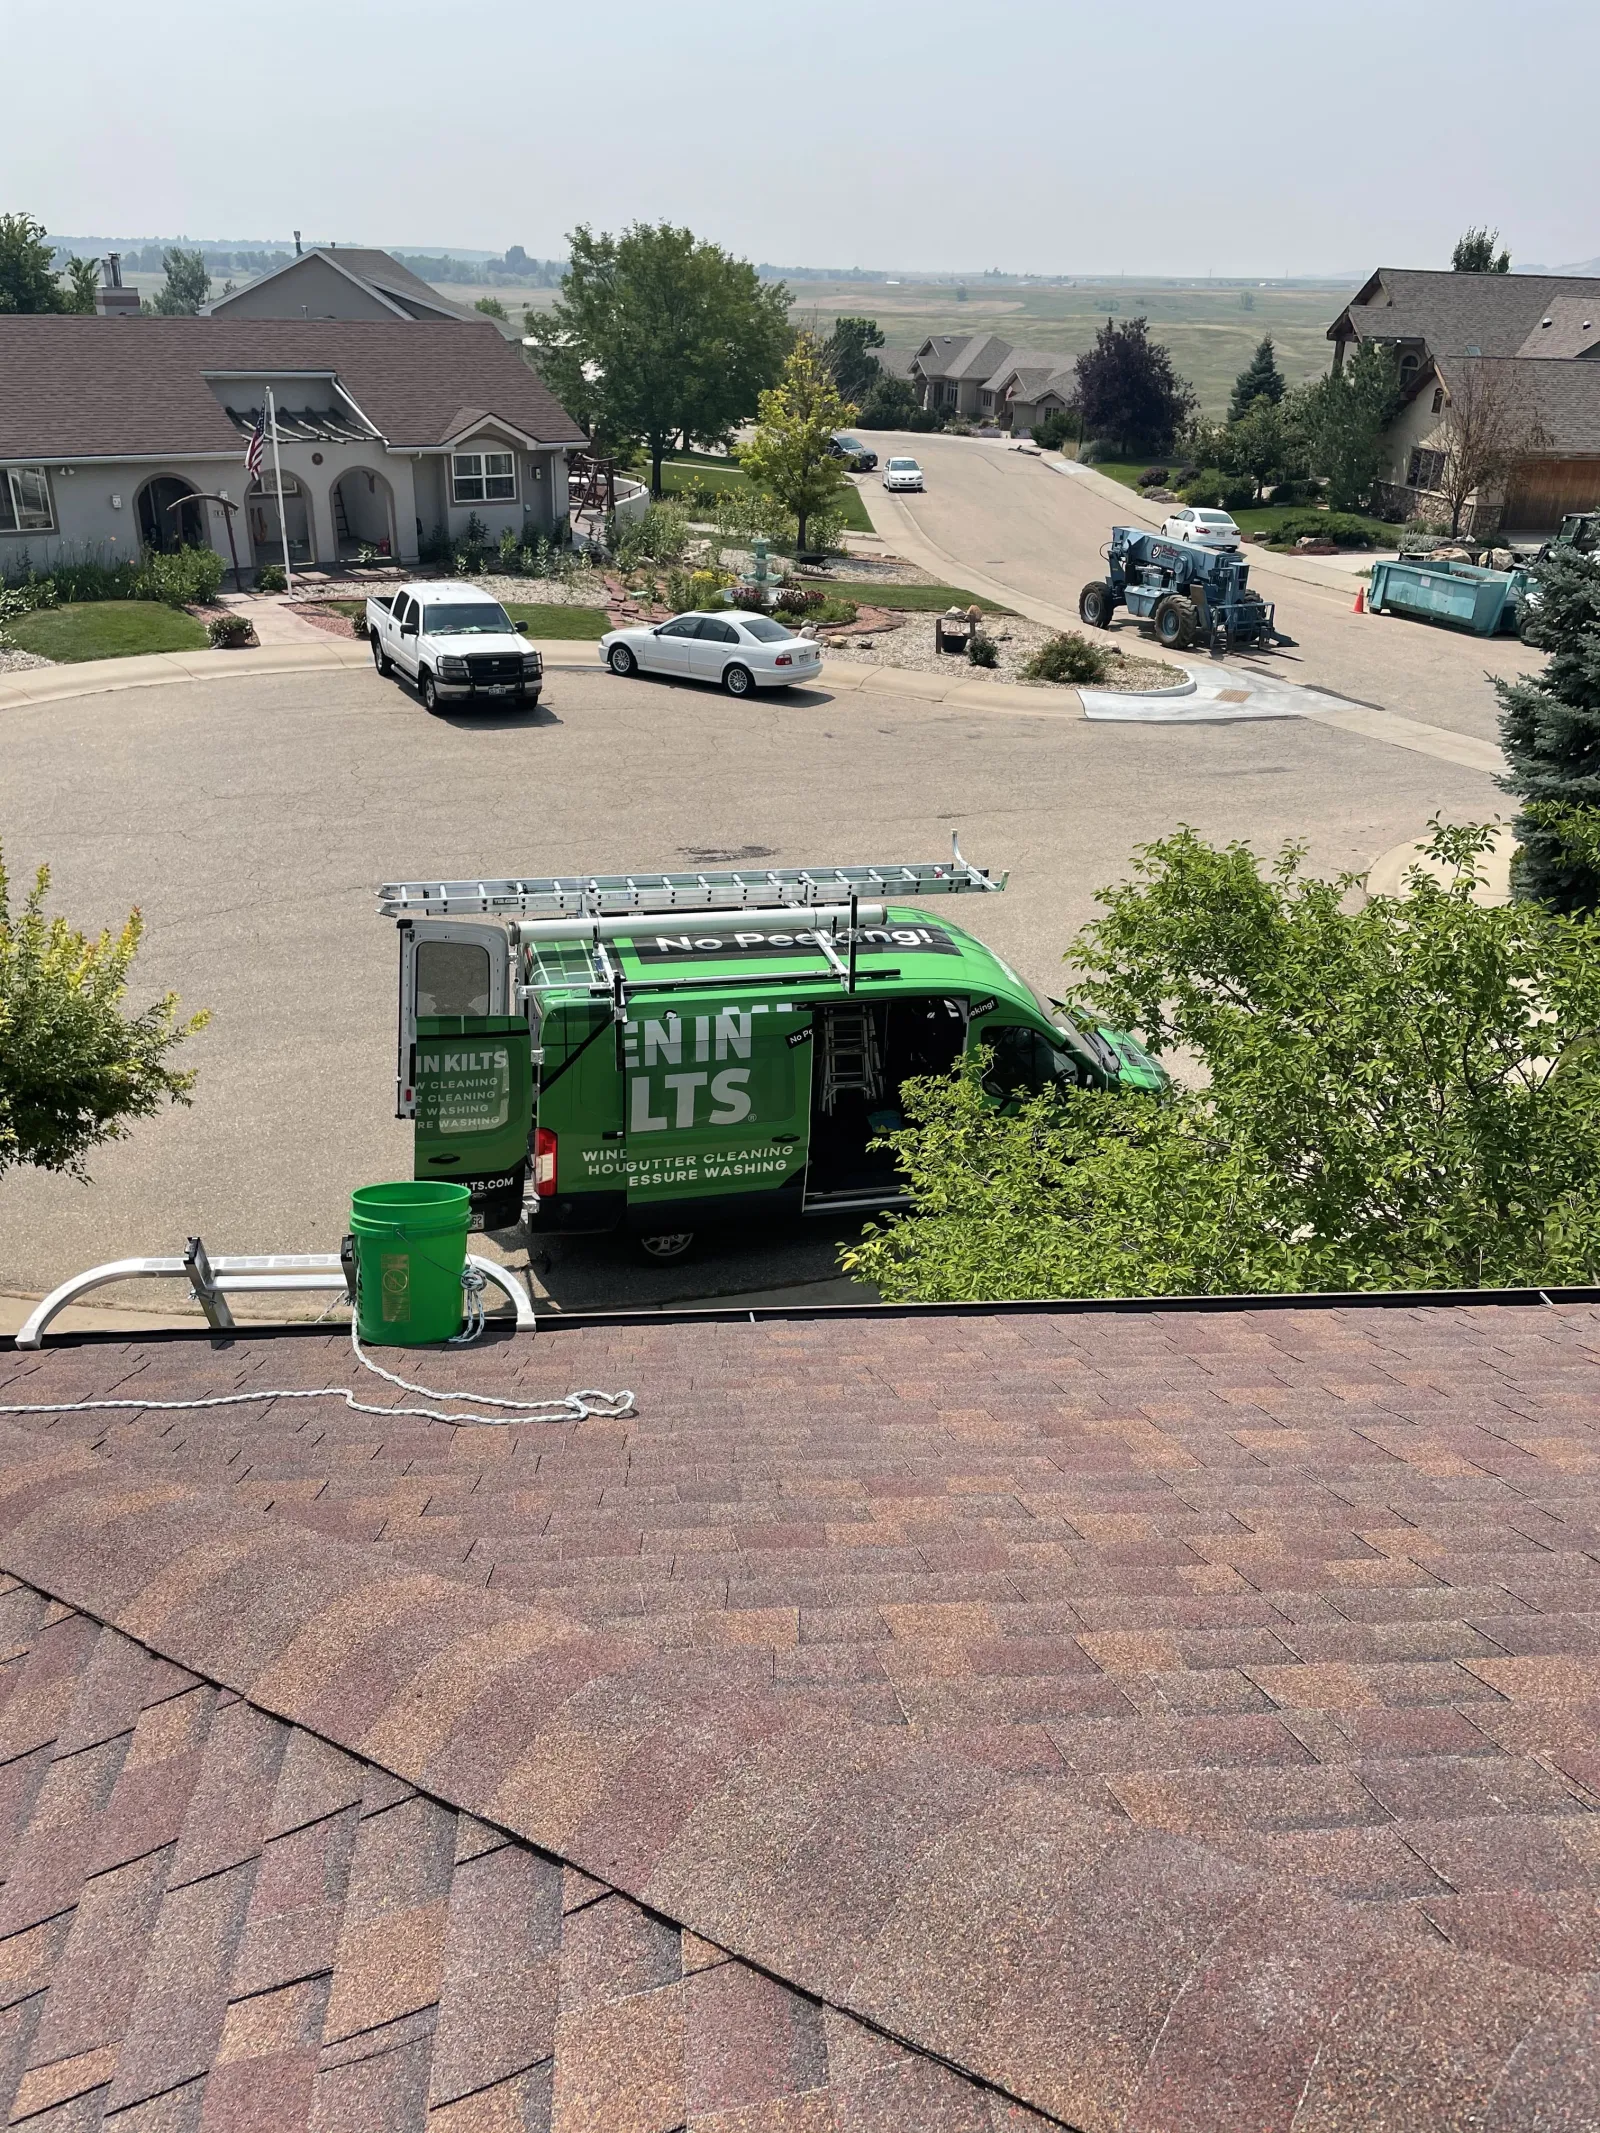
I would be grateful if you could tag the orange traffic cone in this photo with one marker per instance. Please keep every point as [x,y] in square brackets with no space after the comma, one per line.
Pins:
[1360,607]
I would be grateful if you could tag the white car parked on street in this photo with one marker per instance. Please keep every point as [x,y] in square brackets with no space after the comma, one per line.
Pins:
[1212,529]
[902,474]
[739,650]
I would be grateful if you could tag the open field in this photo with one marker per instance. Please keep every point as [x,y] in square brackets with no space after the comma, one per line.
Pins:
[1211,328]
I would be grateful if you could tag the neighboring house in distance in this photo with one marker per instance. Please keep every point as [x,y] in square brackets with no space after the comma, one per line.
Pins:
[1531,340]
[950,370]
[114,433]
[340,282]
[986,377]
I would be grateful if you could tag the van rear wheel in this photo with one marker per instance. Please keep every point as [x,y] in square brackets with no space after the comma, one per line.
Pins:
[668,1244]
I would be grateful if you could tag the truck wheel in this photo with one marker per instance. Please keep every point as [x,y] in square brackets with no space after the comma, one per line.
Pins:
[670,1244]
[429,690]
[1175,619]
[380,658]
[527,699]
[1095,605]
[737,681]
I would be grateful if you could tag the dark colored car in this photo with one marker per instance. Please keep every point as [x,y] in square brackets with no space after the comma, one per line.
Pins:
[861,457]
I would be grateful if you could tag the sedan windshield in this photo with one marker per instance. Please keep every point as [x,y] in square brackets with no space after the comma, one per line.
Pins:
[905,466]
[764,629]
[1214,518]
[468,618]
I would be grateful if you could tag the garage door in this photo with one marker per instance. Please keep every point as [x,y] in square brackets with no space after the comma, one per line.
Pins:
[1544,490]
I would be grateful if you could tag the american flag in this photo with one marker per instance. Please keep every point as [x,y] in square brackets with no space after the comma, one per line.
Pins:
[254,449]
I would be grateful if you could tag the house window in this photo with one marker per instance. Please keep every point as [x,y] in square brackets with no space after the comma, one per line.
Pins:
[483,477]
[25,501]
[1438,399]
[1426,470]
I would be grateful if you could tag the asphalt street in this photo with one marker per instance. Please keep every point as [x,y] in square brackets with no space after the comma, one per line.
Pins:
[1012,525]
[252,820]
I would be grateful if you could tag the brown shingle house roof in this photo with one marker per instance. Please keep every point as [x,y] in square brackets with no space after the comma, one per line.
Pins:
[98,388]
[1154,1720]
[1491,314]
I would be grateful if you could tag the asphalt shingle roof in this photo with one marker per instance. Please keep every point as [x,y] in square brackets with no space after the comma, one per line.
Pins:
[1494,313]
[1564,398]
[1166,1719]
[73,387]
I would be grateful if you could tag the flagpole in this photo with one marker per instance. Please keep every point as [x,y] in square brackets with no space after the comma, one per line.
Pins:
[277,476]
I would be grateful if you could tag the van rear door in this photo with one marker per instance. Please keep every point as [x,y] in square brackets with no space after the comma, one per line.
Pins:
[717,1102]
[466,1066]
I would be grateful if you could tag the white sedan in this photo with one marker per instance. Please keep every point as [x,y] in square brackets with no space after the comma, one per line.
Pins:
[741,651]
[1212,529]
[902,474]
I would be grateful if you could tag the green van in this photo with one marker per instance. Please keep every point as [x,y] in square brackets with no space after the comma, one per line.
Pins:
[661,1053]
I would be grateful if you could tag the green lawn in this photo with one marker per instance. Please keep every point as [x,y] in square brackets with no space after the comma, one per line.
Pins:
[1127,471]
[1260,518]
[678,474]
[105,629]
[544,618]
[915,599]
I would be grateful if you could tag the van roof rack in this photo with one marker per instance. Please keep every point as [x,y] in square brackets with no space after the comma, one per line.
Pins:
[739,888]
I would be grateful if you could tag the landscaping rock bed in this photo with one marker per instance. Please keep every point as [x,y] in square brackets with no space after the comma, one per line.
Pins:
[13,660]
[906,641]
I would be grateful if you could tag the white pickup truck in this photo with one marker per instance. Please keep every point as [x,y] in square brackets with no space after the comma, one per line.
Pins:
[453,641]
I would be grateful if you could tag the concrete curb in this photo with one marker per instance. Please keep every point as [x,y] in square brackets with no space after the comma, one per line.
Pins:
[149,670]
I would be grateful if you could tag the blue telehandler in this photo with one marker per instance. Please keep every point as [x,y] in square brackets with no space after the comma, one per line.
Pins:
[1188,594]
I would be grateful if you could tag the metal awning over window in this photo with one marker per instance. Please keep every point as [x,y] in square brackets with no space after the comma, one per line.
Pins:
[313,425]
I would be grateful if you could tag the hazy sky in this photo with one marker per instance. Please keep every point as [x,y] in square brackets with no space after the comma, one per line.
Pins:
[1292,137]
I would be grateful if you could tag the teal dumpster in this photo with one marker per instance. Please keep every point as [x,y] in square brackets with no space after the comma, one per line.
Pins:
[1463,596]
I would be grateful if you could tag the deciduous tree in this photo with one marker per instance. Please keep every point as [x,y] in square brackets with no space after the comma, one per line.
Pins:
[1401,1093]
[1475,253]
[1488,428]
[1343,417]
[788,456]
[27,271]
[848,354]
[75,1068]
[657,335]
[187,286]
[1127,390]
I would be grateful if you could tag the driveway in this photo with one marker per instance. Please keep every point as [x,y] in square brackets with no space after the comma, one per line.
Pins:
[1013,526]
[253,818]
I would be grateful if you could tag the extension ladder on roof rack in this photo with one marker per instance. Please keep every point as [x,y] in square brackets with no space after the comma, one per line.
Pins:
[756,888]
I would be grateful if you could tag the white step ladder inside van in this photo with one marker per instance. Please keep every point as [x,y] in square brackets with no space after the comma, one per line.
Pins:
[851,1058]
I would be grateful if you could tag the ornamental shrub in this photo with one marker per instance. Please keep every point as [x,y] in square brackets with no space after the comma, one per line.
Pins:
[1153,478]
[982,651]
[270,579]
[1068,658]
[187,578]
[230,633]
[1342,527]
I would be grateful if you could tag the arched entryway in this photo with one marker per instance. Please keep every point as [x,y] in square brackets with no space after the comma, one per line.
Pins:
[363,513]
[266,535]
[171,516]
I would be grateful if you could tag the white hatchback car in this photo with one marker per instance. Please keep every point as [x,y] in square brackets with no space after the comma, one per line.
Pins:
[902,474]
[741,651]
[1212,529]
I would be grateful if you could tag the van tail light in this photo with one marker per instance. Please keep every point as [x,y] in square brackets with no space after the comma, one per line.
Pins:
[544,1162]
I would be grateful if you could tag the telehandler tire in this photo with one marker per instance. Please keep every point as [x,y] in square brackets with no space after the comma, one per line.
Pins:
[1096,604]
[1175,621]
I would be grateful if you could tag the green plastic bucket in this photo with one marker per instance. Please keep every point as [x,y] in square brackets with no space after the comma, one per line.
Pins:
[411,1247]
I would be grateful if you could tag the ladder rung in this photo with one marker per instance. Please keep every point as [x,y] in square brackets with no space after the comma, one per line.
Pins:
[608,895]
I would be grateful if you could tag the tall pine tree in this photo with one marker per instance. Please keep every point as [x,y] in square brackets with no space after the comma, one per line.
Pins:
[1550,730]
[1261,379]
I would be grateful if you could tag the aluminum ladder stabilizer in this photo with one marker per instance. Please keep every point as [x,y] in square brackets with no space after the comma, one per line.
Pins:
[213,1281]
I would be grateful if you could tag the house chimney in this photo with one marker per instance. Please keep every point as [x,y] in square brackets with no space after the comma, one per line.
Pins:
[297,244]
[111,299]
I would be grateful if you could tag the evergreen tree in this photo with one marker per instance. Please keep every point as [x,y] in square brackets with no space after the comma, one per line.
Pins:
[1261,379]
[1550,730]
[1475,254]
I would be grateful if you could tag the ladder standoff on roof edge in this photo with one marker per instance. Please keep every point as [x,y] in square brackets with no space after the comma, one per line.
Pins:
[607,895]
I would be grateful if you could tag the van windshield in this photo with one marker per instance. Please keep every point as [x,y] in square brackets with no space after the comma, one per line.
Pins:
[467,618]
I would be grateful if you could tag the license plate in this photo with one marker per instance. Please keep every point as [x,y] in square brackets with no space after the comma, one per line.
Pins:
[493,688]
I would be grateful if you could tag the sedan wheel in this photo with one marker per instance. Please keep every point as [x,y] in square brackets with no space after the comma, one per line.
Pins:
[738,681]
[621,661]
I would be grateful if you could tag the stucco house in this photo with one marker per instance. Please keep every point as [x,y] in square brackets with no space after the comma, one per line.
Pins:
[118,435]
[1529,341]
[1030,384]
